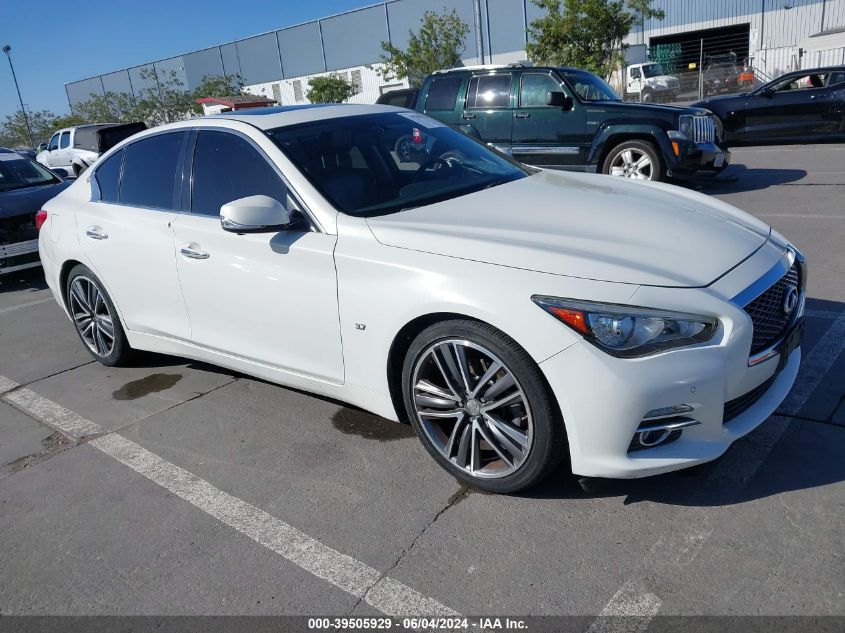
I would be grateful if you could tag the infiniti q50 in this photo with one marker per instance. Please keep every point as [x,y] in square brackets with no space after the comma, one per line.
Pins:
[517,317]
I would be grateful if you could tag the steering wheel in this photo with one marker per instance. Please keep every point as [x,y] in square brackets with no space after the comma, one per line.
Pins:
[433,161]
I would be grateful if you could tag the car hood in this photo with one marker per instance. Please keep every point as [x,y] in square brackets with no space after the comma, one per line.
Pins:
[28,199]
[722,99]
[662,79]
[587,226]
[627,107]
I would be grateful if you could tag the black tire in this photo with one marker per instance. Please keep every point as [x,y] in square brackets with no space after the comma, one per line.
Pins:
[119,352]
[657,172]
[647,96]
[548,445]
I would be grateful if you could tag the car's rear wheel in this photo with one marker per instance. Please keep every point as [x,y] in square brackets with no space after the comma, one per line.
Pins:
[634,159]
[481,406]
[95,318]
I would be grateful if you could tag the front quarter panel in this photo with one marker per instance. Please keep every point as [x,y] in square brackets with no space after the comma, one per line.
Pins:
[383,288]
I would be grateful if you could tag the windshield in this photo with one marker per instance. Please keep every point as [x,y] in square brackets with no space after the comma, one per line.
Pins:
[17,172]
[376,164]
[589,87]
[653,70]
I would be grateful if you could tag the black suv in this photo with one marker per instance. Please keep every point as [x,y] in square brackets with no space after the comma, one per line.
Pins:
[568,118]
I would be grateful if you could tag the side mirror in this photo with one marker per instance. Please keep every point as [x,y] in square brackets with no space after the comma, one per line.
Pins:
[767,92]
[254,214]
[558,100]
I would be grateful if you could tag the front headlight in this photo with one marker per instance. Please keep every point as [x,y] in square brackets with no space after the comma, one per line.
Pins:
[685,125]
[629,332]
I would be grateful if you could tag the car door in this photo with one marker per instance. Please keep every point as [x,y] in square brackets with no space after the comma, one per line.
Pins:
[63,160]
[487,108]
[126,232]
[833,118]
[789,110]
[271,297]
[52,150]
[548,135]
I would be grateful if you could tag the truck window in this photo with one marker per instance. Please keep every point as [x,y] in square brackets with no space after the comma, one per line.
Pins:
[489,91]
[533,89]
[442,93]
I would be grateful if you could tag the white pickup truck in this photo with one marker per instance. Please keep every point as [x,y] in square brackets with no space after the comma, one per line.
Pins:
[72,150]
[649,83]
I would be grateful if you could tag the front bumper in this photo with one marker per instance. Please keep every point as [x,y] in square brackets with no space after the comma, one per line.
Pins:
[604,400]
[699,159]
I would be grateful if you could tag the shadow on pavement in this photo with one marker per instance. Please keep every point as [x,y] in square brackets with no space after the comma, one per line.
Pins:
[29,279]
[738,178]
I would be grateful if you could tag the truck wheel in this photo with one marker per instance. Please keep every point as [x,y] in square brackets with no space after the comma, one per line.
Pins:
[647,96]
[633,159]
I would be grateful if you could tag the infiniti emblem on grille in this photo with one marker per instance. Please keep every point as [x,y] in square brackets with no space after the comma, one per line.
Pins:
[790,300]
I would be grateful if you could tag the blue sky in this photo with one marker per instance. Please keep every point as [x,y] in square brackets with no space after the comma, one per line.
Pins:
[74,40]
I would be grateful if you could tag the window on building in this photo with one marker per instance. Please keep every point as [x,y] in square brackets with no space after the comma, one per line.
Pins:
[227,167]
[150,171]
[489,91]
[357,83]
[442,93]
[297,90]
[277,93]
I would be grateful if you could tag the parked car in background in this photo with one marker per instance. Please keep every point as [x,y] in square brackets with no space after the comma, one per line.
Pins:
[26,152]
[720,77]
[24,187]
[805,106]
[402,98]
[74,149]
[649,83]
[375,255]
[566,118]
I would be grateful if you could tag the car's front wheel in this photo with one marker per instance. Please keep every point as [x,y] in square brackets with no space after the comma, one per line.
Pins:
[481,406]
[95,318]
[634,159]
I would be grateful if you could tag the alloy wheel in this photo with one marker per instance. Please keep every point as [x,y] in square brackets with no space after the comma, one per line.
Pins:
[472,409]
[632,163]
[92,317]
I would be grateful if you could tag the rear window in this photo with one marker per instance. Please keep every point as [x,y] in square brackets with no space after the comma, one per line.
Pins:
[86,137]
[149,171]
[108,177]
[442,93]
[489,91]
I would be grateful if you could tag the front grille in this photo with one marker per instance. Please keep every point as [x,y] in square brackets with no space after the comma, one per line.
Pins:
[766,312]
[703,129]
[737,406]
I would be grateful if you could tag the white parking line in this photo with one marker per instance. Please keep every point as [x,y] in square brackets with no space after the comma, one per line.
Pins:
[25,305]
[389,596]
[738,467]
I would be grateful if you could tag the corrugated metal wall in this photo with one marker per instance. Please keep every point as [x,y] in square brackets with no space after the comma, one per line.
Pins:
[497,33]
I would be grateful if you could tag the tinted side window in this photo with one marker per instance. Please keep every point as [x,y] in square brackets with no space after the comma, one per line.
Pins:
[836,78]
[54,142]
[442,93]
[534,87]
[489,91]
[149,171]
[108,177]
[65,140]
[226,168]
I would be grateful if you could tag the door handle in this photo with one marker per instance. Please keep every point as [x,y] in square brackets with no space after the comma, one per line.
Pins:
[193,253]
[96,233]
[522,115]
[468,115]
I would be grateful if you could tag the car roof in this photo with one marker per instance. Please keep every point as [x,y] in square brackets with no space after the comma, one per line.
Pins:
[810,71]
[269,118]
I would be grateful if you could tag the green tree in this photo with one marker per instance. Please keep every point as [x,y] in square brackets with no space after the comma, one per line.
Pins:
[13,132]
[587,34]
[330,89]
[438,45]
[217,86]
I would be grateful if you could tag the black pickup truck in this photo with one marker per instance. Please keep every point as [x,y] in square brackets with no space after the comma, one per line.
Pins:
[567,118]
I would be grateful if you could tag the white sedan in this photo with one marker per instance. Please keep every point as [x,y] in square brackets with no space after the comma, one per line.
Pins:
[516,317]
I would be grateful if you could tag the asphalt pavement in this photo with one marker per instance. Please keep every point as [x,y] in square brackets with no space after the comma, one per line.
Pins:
[176,488]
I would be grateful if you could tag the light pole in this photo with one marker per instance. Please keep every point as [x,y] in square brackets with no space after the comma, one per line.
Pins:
[8,50]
